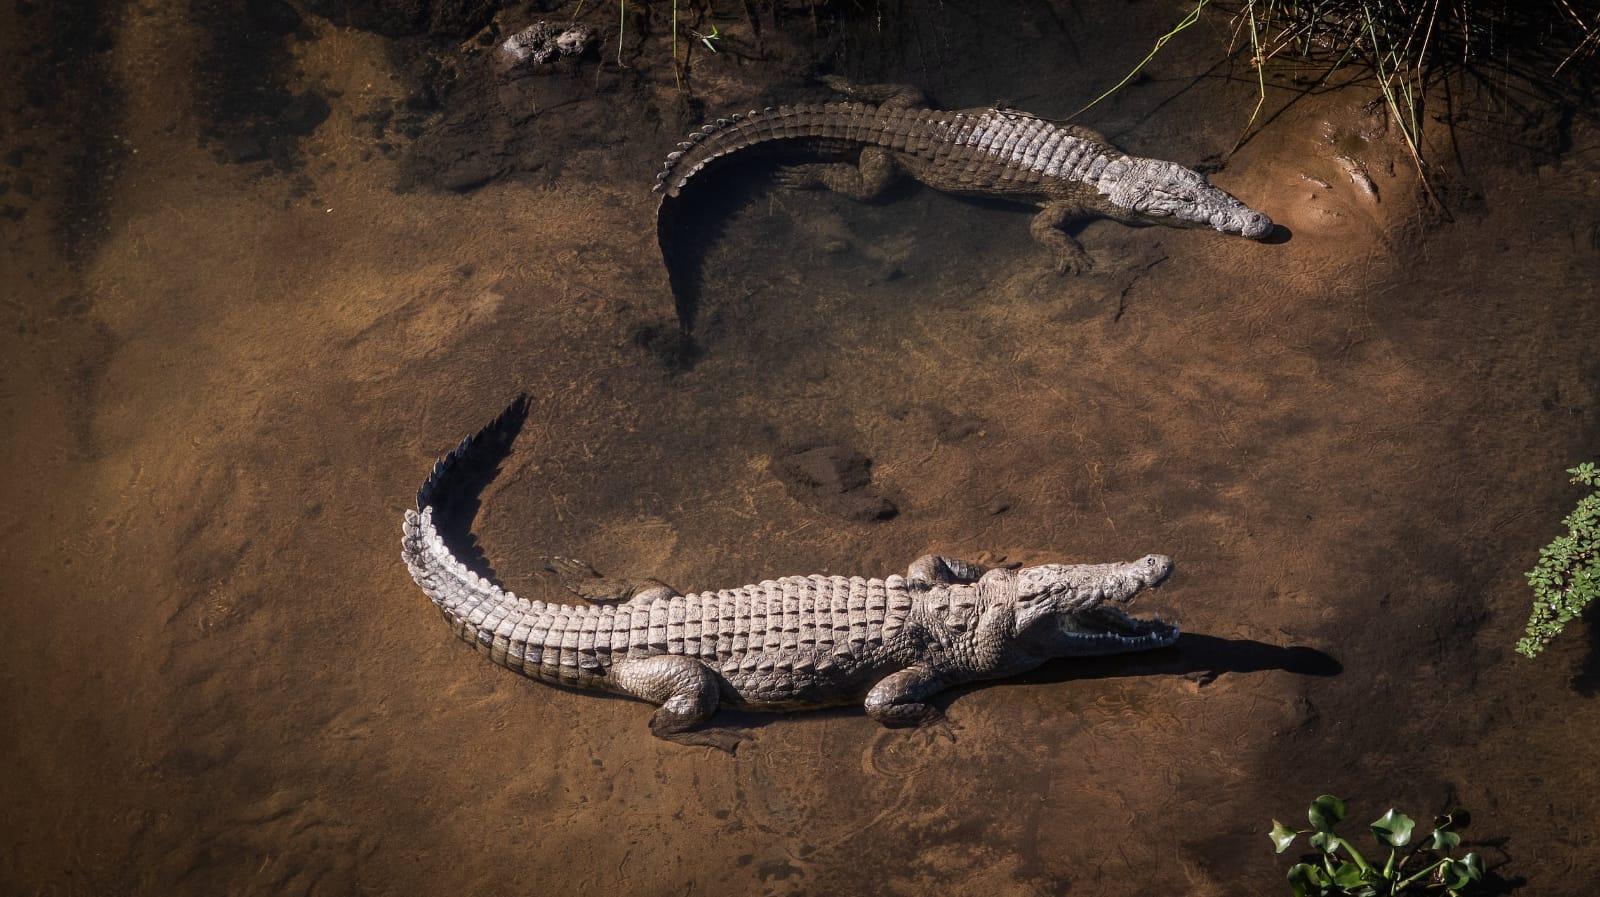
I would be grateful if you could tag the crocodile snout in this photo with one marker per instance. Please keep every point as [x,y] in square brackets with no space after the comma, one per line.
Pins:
[1256,226]
[1153,569]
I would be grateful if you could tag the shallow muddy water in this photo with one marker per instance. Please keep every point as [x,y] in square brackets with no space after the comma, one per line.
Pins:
[234,349]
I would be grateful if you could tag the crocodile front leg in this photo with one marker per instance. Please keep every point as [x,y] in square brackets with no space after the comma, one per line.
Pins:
[688,692]
[900,699]
[864,181]
[1047,229]
[936,568]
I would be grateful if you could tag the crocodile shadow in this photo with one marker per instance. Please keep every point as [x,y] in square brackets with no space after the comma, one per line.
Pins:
[457,495]
[1200,658]
[1193,656]
[701,217]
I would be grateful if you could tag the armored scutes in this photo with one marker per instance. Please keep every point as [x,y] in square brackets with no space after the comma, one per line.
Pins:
[794,642]
[1068,171]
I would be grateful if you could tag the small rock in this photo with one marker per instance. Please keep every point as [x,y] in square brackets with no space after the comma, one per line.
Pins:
[951,427]
[539,44]
[837,480]
[865,508]
[468,173]
[832,468]
[243,148]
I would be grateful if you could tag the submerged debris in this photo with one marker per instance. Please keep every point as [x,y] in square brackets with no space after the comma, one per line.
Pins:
[540,44]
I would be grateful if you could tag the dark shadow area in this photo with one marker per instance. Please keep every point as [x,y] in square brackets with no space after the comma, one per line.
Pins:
[1279,236]
[68,80]
[243,75]
[1199,657]
[1196,656]
[688,225]
[1587,681]
[454,487]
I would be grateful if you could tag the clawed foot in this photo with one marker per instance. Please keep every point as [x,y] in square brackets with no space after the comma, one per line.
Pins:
[723,740]
[796,177]
[837,83]
[1074,263]
[583,580]
[938,726]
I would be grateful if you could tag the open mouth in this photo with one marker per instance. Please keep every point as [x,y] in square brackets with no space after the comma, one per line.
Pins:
[1111,628]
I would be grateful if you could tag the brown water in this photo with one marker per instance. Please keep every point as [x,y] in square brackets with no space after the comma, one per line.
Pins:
[225,379]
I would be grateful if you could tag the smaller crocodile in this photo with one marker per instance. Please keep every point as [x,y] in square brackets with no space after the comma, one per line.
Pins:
[791,642]
[1069,172]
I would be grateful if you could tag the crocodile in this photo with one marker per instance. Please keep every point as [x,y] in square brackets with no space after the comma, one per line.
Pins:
[787,643]
[888,131]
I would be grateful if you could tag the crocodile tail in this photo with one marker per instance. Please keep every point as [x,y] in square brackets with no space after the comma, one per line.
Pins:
[723,137]
[838,124]
[471,603]
[711,142]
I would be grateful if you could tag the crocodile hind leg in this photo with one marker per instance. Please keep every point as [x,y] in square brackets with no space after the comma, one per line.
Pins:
[887,96]
[687,692]
[936,568]
[1047,229]
[864,181]
[583,580]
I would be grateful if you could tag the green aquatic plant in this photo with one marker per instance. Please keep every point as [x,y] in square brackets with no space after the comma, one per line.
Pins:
[1414,865]
[1567,576]
[712,39]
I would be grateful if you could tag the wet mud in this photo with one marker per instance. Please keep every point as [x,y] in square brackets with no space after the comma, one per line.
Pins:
[219,678]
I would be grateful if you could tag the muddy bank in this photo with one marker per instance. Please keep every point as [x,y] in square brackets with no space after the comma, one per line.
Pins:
[224,681]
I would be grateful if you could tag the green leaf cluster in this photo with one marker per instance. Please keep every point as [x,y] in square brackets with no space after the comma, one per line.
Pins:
[1567,577]
[1413,866]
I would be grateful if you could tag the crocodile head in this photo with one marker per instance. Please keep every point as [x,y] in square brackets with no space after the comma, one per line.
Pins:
[1167,193]
[1071,610]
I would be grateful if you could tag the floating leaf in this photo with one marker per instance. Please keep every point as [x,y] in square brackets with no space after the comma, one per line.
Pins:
[1327,842]
[1300,879]
[1325,813]
[1443,840]
[1282,836]
[1474,864]
[1393,829]
[1308,879]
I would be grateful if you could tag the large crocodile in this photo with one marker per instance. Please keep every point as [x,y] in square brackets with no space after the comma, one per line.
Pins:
[793,642]
[1070,172]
